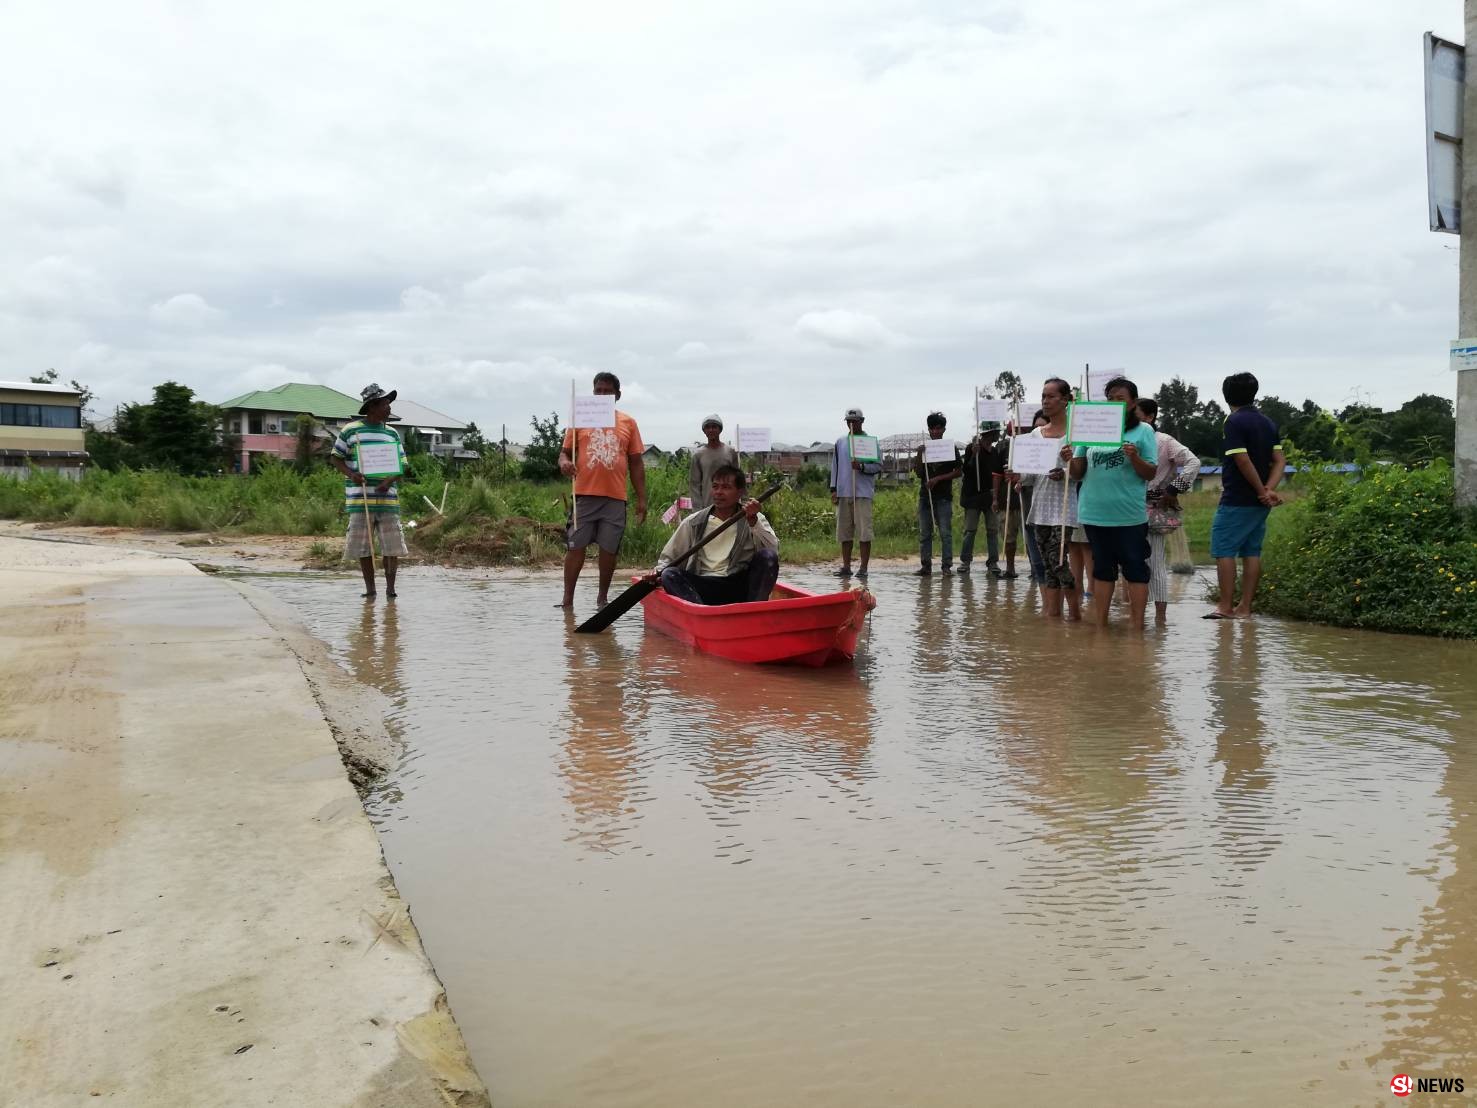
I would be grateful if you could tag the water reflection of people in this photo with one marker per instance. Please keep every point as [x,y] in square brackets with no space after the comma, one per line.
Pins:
[600,761]
[1245,823]
[374,651]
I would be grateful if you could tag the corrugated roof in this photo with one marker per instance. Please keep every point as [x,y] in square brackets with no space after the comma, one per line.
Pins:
[421,416]
[36,386]
[317,400]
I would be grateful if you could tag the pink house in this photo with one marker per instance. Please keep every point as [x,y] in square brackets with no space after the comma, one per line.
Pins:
[266,421]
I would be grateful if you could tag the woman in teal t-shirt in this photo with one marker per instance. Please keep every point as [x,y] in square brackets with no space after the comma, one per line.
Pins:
[1113,507]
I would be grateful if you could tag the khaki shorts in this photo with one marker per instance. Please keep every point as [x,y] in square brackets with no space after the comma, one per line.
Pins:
[856,525]
[387,528]
[601,520]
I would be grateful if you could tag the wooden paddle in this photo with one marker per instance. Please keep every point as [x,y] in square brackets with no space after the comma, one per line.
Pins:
[643,588]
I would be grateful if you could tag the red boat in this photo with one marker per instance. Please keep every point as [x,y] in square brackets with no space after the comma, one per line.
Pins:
[793,626]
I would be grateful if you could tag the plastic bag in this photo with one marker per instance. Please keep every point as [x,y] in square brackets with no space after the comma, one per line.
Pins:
[1177,552]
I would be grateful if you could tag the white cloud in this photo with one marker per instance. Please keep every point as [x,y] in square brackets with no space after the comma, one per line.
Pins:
[417,299]
[185,309]
[844,329]
[921,192]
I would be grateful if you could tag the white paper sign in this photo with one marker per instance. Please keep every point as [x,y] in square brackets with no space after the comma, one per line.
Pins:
[938,450]
[594,411]
[753,440]
[1034,454]
[379,459]
[1097,382]
[1095,424]
[1463,354]
[996,411]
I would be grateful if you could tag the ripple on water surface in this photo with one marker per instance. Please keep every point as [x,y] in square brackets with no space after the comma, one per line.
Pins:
[997,860]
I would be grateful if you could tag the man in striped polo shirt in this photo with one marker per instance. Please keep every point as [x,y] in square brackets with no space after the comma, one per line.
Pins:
[372,506]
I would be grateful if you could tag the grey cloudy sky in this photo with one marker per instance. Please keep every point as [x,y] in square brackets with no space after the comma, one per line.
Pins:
[774,210]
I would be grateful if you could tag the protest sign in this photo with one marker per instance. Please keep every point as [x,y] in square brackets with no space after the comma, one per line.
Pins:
[1033,454]
[594,411]
[993,411]
[866,448]
[378,459]
[1092,424]
[753,440]
[938,450]
[1097,382]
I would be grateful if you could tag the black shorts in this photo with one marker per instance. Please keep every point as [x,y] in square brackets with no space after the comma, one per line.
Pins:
[1115,548]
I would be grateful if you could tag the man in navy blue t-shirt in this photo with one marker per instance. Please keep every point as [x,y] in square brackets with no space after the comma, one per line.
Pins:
[1252,468]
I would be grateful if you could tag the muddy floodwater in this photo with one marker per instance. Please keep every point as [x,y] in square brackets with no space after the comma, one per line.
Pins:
[996,862]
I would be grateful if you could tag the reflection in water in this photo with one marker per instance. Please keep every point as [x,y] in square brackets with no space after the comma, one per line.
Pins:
[600,753]
[1244,822]
[1003,860]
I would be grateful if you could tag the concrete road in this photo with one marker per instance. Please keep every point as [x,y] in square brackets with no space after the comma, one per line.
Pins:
[195,909]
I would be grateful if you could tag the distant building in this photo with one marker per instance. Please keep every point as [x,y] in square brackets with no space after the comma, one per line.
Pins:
[266,422]
[442,434]
[40,425]
[653,455]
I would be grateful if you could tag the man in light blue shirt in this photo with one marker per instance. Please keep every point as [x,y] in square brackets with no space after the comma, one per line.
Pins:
[853,485]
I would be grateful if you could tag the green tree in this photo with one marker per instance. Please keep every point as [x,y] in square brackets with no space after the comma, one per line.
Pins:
[1179,403]
[180,432]
[472,440]
[541,458]
[1009,386]
[1206,430]
[1314,432]
[311,448]
[1423,430]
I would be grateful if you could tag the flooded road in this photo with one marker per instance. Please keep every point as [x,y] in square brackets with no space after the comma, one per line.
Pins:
[998,862]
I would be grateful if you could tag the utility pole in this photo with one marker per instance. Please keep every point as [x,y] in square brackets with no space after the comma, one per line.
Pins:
[1466,379]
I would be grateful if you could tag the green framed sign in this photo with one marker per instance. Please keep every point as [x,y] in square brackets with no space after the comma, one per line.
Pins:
[378,459]
[1096,423]
[865,448]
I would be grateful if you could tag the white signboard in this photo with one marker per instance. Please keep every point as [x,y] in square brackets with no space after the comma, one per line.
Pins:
[1097,382]
[938,450]
[1095,424]
[1463,354]
[1446,67]
[753,440]
[594,411]
[1034,454]
[995,411]
[379,459]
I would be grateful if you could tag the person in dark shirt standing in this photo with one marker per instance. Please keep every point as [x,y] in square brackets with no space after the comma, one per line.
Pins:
[935,501]
[1252,469]
[977,498]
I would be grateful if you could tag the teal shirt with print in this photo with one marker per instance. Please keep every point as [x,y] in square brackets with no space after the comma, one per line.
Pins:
[1112,492]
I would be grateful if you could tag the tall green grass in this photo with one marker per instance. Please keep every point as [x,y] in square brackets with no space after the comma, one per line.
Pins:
[484,514]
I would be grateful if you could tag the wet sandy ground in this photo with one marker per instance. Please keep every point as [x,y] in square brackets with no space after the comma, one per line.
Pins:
[999,861]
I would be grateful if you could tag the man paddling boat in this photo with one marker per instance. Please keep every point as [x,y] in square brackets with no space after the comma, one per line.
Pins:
[741,564]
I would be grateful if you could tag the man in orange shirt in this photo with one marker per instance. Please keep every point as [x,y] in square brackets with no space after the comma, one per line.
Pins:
[606,455]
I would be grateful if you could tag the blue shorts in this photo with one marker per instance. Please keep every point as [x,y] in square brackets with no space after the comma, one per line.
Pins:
[1120,548]
[1238,530]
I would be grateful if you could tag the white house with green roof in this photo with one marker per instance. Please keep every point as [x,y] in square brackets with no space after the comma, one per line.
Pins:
[266,421]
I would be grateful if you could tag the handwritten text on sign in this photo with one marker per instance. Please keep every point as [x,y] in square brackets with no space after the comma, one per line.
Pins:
[379,459]
[1031,454]
[996,411]
[866,448]
[938,450]
[1095,424]
[594,411]
[753,440]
